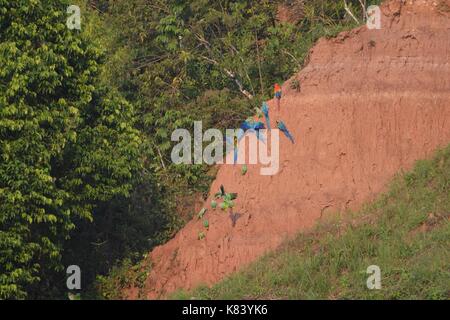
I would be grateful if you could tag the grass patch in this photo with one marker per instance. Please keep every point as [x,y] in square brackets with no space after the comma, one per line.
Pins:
[405,232]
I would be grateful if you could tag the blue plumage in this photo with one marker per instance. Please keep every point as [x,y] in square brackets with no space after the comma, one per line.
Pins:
[283,128]
[254,126]
[265,110]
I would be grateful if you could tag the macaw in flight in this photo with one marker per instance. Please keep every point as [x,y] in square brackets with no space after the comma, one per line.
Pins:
[250,125]
[283,128]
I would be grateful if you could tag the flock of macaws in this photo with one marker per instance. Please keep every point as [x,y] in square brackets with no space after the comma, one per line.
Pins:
[250,125]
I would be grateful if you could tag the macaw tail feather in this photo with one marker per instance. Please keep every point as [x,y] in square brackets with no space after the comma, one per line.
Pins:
[235,155]
[288,134]
[292,139]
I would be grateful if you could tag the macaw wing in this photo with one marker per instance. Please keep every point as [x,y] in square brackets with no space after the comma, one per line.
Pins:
[259,126]
[282,126]
[233,196]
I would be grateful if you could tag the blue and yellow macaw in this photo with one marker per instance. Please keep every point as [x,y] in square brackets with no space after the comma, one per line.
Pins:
[278,94]
[283,128]
[265,110]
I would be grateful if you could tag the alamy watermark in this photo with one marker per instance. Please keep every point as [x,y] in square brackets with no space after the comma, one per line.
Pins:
[74,20]
[374,280]
[263,147]
[373,17]
[73,281]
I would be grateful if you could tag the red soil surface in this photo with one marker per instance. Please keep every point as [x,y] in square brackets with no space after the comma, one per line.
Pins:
[372,102]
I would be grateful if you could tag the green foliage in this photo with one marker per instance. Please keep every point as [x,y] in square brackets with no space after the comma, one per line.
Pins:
[124,275]
[66,143]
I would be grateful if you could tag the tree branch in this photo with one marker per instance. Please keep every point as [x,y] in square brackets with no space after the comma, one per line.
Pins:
[363,5]
[349,12]
[229,73]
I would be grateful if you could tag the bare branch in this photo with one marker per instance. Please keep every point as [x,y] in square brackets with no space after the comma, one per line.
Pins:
[349,12]
[230,73]
[364,11]
[161,158]
[292,56]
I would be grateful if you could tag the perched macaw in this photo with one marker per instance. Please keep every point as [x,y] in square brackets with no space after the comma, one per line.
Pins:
[248,125]
[265,110]
[221,192]
[278,94]
[283,128]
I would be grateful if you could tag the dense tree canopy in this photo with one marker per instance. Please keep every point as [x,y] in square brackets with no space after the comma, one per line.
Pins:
[66,143]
